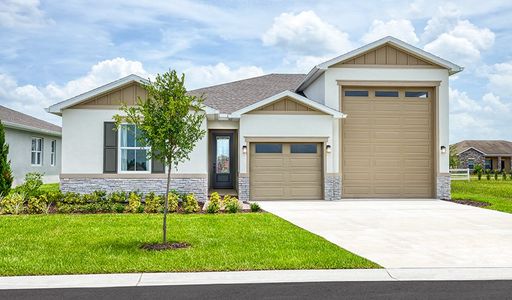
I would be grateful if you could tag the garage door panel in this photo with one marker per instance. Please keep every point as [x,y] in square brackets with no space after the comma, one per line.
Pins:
[396,160]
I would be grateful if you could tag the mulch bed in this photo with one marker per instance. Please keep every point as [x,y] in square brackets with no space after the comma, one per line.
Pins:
[166,246]
[471,203]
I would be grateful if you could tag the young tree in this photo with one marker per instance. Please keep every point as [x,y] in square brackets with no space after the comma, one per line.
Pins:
[170,122]
[5,165]
[454,159]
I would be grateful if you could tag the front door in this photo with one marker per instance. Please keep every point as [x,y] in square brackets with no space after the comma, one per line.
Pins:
[222,162]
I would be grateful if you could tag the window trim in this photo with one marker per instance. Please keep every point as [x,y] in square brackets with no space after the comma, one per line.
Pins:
[40,164]
[120,148]
[53,153]
[472,160]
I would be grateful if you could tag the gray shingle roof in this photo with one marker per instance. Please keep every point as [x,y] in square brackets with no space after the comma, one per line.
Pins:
[232,96]
[489,147]
[12,116]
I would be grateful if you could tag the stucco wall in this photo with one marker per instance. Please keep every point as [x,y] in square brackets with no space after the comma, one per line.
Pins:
[316,90]
[82,146]
[20,145]
[260,125]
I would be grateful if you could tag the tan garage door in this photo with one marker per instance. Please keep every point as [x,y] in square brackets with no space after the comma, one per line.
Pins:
[286,171]
[387,146]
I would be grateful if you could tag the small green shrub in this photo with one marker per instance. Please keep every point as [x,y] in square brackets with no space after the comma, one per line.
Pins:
[233,205]
[504,175]
[117,197]
[39,205]
[153,203]
[224,201]
[214,203]
[496,172]
[255,207]
[72,198]
[173,200]
[190,204]
[488,174]
[31,185]
[118,207]
[134,203]
[13,204]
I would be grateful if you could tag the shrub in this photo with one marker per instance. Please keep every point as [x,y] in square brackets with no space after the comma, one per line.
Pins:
[117,197]
[134,203]
[39,205]
[153,203]
[224,201]
[214,203]
[496,172]
[488,174]
[255,207]
[479,174]
[13,204]
[173,199]
[510,174]
[118,207]
[5,165]
[233,205]
[190,204]
[31,184]
[504,175]
[72,198]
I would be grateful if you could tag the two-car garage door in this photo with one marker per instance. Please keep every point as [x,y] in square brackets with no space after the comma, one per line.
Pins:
[286,171]
[387,142]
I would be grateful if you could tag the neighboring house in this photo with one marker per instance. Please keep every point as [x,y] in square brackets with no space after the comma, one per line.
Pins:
[371,123]
[491,155]
[34,145]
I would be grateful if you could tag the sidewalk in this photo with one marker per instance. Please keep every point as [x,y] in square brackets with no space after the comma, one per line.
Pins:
[205,278]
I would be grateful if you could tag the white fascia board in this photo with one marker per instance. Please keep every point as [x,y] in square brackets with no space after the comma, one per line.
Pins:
[30,128]
[336,114]
[319,69]
[58,107]
[473,149]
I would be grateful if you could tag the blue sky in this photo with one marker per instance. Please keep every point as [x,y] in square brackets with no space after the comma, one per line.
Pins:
[53,50]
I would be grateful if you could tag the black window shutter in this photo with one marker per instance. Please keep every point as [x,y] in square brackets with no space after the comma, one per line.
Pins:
[157,166]
[109,148]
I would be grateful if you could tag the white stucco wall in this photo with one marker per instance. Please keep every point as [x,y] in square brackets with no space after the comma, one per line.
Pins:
[332,97]
[82,143]
[316,90]
[260,125]
[20,146]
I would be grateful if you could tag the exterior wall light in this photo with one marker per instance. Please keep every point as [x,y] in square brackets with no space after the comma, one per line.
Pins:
[244,149]
[443,149]
[328,148]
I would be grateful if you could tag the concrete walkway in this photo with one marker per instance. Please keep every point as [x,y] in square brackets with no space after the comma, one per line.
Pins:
[407,233]
[247,277]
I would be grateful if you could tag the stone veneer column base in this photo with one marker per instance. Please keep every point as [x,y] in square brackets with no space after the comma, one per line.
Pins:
[243,187]
[443,187]
[332,187]
[198,186]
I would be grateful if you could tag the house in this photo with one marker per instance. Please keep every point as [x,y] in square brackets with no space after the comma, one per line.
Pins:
[34,145]
[490,154]
[371,123]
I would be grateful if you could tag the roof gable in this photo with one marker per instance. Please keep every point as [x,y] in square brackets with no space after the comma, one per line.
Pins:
[386,55]
[15,119]
[487,147]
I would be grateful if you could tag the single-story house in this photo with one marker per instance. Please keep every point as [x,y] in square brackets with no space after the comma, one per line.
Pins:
[371,123]
[34,145]
[490,154]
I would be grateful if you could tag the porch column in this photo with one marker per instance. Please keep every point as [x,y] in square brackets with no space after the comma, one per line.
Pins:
[499,163]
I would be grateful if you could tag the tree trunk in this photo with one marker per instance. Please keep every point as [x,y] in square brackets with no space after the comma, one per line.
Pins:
[166,205]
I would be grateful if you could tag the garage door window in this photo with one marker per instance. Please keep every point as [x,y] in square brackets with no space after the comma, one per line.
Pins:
[269,148]
[303,148]
[416,94]
[386,93]
[356,93]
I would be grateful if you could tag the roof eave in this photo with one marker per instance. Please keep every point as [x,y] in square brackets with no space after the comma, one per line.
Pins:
[30,128]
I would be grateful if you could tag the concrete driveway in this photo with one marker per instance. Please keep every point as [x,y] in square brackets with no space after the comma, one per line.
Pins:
[407,233]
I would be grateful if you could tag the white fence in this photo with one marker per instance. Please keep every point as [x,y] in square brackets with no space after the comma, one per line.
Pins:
[459,174]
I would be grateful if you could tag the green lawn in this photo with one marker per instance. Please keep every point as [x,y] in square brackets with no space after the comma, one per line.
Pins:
[496,192]
[49,187]
[109,243]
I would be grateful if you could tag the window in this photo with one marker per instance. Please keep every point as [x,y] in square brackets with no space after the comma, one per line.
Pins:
[386,93]
[134,154]
[269,148]
[471,164]
[303,148]
[488,164]
[36,158]
[53,156]
[416,94]
[356,93]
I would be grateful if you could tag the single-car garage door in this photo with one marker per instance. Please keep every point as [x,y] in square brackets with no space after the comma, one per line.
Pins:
[286,171]
[387,143]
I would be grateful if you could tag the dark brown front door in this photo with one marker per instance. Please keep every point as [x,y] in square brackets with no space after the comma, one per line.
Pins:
[222,161]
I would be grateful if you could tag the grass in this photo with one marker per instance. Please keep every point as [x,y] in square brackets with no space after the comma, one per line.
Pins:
[109,243]
[497,193]
[49,187]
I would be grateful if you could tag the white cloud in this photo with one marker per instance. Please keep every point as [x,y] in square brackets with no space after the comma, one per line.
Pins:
[442,21]
[32,100]
[201,76]
[22,14]
[401,29]
[460,102]
[500,78]
[463,43]
[307,34]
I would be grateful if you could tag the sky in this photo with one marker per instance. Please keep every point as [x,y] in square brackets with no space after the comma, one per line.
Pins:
[54,50]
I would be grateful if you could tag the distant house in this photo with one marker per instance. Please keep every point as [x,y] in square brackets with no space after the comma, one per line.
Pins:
[492,155]
[34,145]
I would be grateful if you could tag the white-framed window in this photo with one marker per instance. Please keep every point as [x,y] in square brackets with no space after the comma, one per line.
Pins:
[36,155]
[53,156]
[133,156]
